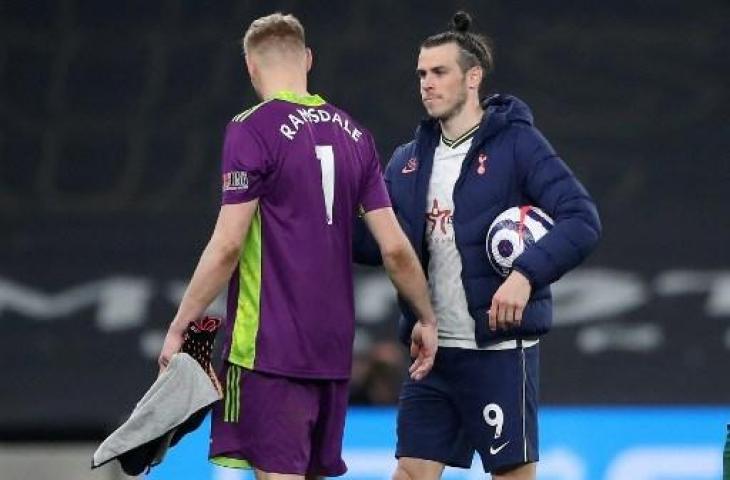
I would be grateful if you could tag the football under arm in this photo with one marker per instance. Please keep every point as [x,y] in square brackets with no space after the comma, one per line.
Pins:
[400,261]
[217,261]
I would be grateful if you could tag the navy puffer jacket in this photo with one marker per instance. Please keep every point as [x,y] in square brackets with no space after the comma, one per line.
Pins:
[521,169]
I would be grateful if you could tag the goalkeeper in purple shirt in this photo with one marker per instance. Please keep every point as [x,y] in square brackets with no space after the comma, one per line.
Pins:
[296,170]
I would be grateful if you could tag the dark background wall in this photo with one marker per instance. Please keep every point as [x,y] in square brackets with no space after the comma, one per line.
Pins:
[111,120]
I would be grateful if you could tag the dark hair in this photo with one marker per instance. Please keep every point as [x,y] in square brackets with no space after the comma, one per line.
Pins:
[475,49]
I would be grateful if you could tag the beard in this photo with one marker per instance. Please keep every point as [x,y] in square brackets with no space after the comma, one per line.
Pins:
[456,108]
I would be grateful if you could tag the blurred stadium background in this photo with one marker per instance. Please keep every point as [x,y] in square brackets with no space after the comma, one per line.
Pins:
[111,121]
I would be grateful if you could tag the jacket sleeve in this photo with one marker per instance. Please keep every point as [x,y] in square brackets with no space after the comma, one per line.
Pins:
[365,250]
[550,185]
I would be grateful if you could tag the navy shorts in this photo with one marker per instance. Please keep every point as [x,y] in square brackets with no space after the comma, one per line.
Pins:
[473,400]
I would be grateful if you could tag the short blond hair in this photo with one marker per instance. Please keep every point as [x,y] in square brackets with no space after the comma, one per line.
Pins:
[277,29]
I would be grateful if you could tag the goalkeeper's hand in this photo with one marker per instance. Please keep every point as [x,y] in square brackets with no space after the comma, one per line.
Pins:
[173,342]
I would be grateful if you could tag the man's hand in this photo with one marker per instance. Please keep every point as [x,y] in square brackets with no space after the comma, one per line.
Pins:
[172,345]
[509,302]
[424,343]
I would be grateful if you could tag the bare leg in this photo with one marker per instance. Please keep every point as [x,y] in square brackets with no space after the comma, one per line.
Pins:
[527,471]
[417,469]
[261,475]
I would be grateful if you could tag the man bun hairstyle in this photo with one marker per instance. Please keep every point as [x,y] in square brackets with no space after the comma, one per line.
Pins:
[461,22]
[475,49]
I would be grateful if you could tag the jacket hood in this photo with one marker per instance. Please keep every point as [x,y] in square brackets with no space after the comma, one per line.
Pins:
[502,110]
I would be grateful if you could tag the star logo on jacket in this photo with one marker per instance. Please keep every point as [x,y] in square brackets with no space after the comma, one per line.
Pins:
[411,165]
[482,160]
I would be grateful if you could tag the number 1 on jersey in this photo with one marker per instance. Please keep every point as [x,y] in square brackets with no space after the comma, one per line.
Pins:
[326,157]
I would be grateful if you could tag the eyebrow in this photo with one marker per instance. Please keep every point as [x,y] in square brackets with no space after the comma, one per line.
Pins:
[421,71]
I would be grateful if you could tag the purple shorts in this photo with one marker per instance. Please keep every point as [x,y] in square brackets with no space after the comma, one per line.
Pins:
[279,424]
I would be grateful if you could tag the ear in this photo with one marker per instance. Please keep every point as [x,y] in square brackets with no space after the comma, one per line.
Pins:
[474,77]
[308,58]
[250,66]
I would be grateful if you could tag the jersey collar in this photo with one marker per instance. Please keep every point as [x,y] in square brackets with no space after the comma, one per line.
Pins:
[463,138]
[307,100]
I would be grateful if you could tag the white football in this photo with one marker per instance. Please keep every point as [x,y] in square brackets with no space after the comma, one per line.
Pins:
[513,231]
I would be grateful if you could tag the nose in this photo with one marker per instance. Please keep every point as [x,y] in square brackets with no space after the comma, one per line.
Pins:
[427,82]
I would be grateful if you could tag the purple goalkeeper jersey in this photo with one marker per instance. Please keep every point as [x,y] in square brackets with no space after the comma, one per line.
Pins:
[290,299]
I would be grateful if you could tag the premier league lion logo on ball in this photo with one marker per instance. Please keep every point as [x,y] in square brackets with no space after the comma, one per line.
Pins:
[513,231]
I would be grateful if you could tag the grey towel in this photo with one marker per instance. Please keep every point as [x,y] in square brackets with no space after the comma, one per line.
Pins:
[179,395]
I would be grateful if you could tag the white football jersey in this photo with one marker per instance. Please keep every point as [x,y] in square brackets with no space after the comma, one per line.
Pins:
[456,326]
